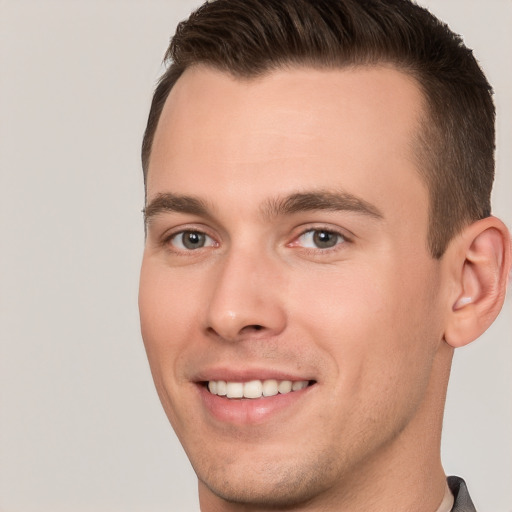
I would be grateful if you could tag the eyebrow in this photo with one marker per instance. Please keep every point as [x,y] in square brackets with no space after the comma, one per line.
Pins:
[320,200]
[289,205]
[169,202]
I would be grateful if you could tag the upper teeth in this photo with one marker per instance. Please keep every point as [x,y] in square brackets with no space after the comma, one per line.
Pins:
[254,388]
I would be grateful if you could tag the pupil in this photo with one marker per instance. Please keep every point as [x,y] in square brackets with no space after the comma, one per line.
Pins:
[193,240]
[325,239]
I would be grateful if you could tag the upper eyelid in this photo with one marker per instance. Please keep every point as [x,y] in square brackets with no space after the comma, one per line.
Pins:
[341,245]
[333,231]
[165,242]
[178,233]
[168,234]
[299,231]
[344,240]
[346,234]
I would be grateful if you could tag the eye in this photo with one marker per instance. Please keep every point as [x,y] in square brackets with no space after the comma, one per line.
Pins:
[320,239]
[191,240]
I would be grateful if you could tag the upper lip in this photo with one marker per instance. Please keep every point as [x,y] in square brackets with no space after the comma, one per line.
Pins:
[231,374]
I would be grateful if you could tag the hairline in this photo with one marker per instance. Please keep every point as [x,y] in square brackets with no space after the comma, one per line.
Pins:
[425,115]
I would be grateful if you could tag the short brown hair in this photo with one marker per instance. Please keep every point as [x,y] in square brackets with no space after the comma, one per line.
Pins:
[248,38]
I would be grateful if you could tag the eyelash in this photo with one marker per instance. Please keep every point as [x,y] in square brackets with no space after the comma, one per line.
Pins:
[167,240]
[342,239]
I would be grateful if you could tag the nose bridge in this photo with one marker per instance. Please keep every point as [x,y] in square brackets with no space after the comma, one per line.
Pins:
[244,298]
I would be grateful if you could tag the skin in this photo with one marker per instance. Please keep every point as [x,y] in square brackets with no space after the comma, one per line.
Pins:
[364,319]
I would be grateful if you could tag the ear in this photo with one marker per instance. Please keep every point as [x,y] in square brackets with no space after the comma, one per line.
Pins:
[479,263]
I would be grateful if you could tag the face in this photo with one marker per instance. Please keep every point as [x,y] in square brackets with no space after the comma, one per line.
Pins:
[287,297]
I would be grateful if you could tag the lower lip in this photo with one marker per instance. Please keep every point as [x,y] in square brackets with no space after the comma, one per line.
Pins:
[246,411]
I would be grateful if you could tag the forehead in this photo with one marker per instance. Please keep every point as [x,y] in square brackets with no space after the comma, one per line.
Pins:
[352,129]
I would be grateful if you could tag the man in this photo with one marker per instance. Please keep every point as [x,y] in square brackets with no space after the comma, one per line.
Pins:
[319,241]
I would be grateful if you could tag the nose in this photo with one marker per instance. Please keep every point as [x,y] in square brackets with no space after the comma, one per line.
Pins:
[246,298]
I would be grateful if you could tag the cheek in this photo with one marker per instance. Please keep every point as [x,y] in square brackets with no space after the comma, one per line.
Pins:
[375,327]
[166,316]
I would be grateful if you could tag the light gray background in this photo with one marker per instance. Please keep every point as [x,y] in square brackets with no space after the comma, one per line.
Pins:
[81,428]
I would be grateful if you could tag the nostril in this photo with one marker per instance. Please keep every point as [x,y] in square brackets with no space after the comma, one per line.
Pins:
[252,328]
[245,331]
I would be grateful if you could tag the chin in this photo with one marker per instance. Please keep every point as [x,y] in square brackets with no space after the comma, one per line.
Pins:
[270,484]
[253,492]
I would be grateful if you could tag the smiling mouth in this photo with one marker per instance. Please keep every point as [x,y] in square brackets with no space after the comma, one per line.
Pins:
[255,389]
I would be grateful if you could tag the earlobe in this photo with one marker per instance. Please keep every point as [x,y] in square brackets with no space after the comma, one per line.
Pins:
[481,265]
